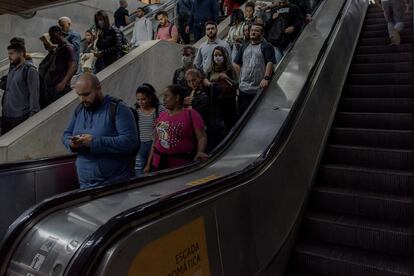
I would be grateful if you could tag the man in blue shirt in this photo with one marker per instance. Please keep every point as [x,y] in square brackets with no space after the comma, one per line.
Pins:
[72,37]
[103,133]
[201,12]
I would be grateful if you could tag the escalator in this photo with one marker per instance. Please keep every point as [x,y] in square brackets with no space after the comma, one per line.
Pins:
[359,217]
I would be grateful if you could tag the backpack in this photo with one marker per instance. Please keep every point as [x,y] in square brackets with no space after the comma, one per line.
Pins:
[276,35]
[169,31]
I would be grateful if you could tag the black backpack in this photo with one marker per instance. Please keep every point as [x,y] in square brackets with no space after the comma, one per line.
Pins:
[276,34]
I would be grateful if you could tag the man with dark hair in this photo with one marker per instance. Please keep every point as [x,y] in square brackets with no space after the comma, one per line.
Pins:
[103,133]
[63,68]
[254,64]
[201,12]
[142,28]
[203,58]
[21,97]
[165,30]
[188,57]
[121,15]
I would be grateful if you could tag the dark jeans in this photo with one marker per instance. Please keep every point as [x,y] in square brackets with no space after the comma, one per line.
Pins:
[244,101]
[182,23]
[8,123]
[228,112]
[199,31]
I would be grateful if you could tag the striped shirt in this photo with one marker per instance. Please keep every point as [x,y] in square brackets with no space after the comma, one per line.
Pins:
[146,123]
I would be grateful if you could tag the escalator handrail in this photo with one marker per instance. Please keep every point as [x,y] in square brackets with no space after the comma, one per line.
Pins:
[93,245]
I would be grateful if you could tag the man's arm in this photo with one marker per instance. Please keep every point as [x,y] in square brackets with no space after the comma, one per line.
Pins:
[127,139]
[68,133]
[198,61]
[76,41]
[174,34]
[33,86]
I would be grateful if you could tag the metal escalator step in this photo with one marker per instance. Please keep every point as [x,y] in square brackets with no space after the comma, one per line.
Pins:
[390,105]
[379,91]
[381,41]
[386,207]
[380,14]
[397,182]
[398,67]
[381,20]
[326,259]
[381,49]
[385,158]
[383,138]
[383,58]
[382,33]
[399,121]
[381,79]
[383,26]
[359,232]
[299,273]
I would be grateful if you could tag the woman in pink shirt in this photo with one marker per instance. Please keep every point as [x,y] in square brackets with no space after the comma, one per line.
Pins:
[180,136]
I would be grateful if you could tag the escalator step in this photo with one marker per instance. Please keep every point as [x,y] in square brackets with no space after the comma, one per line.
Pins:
[382,33]
[398,105]
[380,49]
[325,259]
[381,79]
[382,138]
[390,208]
[381,41]
[383,58]
[395,182]
[299,273]
[401,121]
[379,20]
[354,231]
[379,91]
[398,159]
[371,68]
[382,26]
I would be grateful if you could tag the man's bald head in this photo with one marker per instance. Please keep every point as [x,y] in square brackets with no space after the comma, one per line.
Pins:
[88,88]
[65,23]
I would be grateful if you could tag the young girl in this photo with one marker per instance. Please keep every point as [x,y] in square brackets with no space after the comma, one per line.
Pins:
[148,109]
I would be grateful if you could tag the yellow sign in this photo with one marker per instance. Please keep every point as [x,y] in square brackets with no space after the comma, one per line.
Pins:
[179,253]
[203,180]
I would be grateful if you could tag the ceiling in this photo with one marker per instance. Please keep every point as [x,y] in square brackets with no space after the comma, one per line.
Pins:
[25,6]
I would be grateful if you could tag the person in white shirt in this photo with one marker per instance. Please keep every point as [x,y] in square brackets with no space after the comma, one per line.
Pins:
[142,29]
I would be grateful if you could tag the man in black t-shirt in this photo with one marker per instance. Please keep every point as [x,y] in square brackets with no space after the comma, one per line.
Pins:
[121,15]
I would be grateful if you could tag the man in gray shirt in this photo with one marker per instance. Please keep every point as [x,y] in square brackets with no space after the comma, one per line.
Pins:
[205,52]
[21,98]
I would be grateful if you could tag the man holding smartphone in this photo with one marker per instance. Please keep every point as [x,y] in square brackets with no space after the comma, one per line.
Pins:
[103,133]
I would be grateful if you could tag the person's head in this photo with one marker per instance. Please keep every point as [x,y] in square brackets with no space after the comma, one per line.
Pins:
[246,32]
[189,53]
[17,53]
[220,57]
[162,17]
[256,32]
[123,3]
[237,16]
[17,40]
[146,96]
[89,36]
[140,12]
[65,23]
[56,35]
[89,90]
[102,20]
[211,29]
[194,79]
[249,9]
[174,97]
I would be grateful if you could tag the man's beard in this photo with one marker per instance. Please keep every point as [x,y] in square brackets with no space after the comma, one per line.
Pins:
[94,105]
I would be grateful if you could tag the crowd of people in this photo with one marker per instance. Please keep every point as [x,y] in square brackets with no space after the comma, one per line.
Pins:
[212,89]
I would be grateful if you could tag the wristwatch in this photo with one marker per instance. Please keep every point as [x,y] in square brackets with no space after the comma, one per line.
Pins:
[267,78]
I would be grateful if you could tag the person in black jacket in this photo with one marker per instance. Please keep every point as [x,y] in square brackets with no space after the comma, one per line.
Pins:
[109,42]
[284,26]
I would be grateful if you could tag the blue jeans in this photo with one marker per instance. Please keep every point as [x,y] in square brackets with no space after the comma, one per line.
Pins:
[142,157]
[394,12]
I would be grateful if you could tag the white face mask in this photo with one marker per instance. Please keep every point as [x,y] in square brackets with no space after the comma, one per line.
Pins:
[187,60]
[219,60]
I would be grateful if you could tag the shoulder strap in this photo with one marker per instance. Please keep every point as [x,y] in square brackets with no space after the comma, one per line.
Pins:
[113,108]
[170,29]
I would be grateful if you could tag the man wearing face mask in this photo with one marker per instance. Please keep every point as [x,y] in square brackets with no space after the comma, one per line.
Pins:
[203,57]
[188,59]
[64,64]
[103,133]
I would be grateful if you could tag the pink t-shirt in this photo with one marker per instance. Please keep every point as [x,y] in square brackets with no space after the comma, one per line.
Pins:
[176,136]
[164,32]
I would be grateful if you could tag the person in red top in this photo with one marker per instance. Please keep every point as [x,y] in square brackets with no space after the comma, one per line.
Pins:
[180,136]
[165,30]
